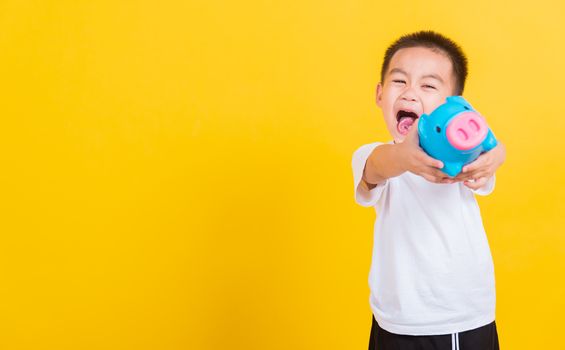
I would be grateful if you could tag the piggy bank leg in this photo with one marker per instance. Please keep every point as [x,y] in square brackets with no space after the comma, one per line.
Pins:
[452,169]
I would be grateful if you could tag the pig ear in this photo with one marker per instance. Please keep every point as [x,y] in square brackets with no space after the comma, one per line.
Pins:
[460,100]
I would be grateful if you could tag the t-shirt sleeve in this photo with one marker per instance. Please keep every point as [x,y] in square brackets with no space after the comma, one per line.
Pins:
[363,195]
[487,188]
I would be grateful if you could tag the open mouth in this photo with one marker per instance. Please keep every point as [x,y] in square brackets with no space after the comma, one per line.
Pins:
[404,120]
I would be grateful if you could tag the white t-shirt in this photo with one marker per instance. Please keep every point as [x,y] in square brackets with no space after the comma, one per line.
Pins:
[432,271]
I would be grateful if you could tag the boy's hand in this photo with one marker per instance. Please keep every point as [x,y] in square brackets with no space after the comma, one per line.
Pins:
[482,168]
[418,162]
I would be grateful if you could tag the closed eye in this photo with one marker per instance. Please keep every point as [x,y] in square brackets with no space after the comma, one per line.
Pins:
[399,81]
[429,86]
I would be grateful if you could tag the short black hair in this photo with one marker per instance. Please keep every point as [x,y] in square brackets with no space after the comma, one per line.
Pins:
[436,42]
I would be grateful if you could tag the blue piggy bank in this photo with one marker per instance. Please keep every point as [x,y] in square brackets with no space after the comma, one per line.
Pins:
[455,133]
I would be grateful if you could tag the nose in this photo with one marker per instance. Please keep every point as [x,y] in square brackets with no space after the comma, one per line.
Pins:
[408,94]
[466,130]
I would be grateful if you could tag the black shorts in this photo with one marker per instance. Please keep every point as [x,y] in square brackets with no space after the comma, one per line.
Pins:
[482,338]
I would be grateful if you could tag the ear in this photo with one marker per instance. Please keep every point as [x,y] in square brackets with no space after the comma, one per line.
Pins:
[459,99]
[379,97]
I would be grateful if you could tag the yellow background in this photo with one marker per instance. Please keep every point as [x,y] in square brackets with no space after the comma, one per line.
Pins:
[177,175]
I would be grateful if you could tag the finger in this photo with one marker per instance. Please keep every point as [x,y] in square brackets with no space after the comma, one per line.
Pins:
[432,171]
[477,184]
[465,177]
[429,161]
[431,178]
[477,163]
[461,177]
[436,176]
[448,180]
[480,183]
[482,172]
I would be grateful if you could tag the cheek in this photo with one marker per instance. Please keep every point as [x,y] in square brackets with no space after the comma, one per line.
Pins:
[433,103]
[390,97]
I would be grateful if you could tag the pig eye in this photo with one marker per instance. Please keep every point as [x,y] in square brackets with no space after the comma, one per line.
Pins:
[438,129]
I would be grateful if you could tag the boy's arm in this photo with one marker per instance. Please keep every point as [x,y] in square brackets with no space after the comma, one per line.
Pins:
[388,161]
[482,168]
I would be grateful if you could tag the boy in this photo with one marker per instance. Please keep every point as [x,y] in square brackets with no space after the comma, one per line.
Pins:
[432,275]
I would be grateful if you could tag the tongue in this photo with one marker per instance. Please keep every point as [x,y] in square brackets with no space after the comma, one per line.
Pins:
[404,125]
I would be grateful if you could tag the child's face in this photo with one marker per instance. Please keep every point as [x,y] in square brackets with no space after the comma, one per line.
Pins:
[417,81]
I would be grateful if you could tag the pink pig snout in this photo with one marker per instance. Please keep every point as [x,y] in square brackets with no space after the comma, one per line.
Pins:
[466,131]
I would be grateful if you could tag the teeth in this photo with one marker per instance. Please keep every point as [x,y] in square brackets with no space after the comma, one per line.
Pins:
[403,114]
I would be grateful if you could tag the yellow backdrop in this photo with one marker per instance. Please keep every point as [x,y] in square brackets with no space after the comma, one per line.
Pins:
[176,174]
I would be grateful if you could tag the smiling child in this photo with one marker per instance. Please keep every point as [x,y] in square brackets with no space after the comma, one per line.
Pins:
[432,276]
